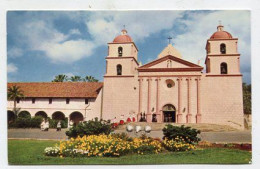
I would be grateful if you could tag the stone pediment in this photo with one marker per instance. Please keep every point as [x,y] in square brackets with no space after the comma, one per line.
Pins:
[170,50]
[170,63]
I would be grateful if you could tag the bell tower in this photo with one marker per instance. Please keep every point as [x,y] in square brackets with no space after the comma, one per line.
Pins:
[122,56]
[121,79]
[222,54]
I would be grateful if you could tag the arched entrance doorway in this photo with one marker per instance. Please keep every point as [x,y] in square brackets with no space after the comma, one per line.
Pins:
[58,115]
[42,114]
[169,113]
[76,117]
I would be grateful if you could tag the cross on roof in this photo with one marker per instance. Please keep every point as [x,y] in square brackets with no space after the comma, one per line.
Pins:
[219,22]
[169,38]
[124,26]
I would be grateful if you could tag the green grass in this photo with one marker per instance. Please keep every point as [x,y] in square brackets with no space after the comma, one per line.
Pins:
[22,152]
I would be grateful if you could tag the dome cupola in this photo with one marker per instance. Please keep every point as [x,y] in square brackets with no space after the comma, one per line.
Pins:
[221,34]
[123,38]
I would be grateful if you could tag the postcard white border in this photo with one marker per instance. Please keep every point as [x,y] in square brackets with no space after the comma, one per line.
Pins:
[253,5]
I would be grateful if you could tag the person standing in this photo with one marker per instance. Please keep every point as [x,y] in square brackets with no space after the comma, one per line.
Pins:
[47,125]
[59,126]
[43,125]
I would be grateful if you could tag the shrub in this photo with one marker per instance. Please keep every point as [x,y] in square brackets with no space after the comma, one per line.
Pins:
[22,122]
[177,144]
[91,127]
[26,122]
[189,134]
[36,122]
[53,123]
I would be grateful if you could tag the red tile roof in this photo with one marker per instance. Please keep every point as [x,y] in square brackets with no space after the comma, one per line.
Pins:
[122,39]
[60,89]
[221,35]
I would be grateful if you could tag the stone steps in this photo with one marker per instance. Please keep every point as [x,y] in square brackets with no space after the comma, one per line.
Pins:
[202,127]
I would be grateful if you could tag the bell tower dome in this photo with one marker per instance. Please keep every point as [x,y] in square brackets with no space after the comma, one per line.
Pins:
[222,54]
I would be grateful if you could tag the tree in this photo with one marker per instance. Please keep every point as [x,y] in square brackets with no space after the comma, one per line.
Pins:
[14,93]
[64,78]
[90,79]
[60,78]
[247,98]
[75,78]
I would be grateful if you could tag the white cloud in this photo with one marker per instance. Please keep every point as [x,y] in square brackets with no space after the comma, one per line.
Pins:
[102,31]
[69,51]
[74,32]
[104,27]
[15,52]
[42,36]
[37,33]
[11,68]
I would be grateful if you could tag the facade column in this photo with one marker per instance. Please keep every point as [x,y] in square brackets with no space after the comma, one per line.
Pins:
[158,115]
[198,115]
[179,113]
[140,100]
[188,118]
[148,114]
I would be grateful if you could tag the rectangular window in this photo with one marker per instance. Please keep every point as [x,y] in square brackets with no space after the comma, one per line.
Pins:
[33,100]
[86,101]
[50,100]
[67,101]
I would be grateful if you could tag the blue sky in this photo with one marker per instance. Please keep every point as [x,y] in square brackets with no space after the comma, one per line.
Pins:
[44,44]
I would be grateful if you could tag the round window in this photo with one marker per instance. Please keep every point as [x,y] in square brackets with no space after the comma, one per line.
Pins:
[170,83]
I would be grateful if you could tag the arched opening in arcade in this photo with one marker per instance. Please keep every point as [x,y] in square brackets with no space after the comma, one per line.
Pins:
[169,113]
[11,116]
[58,115]
[41,114]
[76,117]
[24,114]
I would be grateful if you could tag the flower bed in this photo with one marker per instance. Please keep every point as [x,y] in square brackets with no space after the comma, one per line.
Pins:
[103,145]
[177,144]
[146,146]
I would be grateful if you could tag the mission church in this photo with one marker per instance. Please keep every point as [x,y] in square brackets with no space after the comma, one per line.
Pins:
[168,89]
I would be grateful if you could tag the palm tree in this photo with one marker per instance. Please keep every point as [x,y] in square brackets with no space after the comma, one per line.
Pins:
[14,93]
[90,79]
[60,78]
[75,78]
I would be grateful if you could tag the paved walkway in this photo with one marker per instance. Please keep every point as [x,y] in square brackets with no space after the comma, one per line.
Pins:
[221,137]
[37,134]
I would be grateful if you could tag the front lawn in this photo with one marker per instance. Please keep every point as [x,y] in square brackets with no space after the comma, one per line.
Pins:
[24,152]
